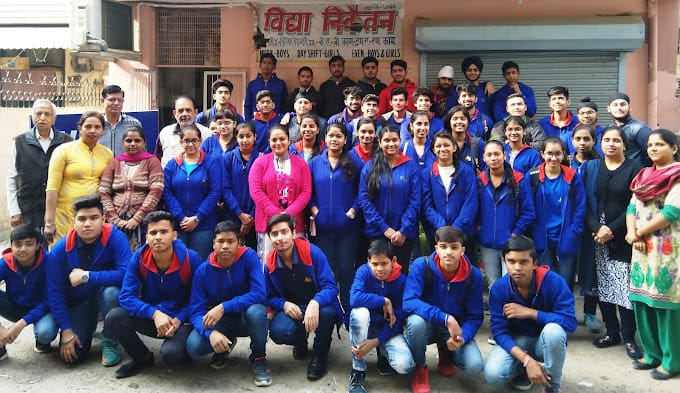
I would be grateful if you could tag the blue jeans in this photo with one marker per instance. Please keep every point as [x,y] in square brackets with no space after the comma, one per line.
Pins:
[550,347]
[420,333]
[396,349]
[493,264]
[285,330]
[85,314]
[564,265]
[251,323]
[44,329]
[199,241]
[340,251]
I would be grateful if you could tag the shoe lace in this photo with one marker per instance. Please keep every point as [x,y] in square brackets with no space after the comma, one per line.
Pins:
[355,380]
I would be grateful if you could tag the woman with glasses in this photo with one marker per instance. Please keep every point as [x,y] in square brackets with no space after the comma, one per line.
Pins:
[192,190]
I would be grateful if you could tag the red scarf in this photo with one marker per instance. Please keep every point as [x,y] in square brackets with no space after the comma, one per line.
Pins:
[652,182]
[134,157]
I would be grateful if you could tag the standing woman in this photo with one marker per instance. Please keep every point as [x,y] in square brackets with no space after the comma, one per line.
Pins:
[75,169]
[279,183]
[449,190]
[311,144]
[521,156]
[607,184]
[418,147]
[334,207]
[560,202]
[131,186]
[192,190]
[470,148]
[224,140]
[506,208]
[654,233]
[368,144]
[389,195]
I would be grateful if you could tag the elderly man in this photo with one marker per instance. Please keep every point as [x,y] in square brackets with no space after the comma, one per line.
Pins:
[168,144]
[28,162]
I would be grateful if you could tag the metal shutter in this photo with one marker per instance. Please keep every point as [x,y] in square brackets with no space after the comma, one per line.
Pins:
[594,74]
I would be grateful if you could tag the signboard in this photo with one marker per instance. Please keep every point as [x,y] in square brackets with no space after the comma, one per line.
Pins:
[149,119]
[318,32]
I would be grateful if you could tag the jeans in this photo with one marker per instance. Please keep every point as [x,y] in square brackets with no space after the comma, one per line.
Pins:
[420,333]
[340,251]
[199,241]
[285,330]
[550,347]
[251,323]
[493,264]
[44,329]
[396,349]
[124,327]
[562,264]
[85,314]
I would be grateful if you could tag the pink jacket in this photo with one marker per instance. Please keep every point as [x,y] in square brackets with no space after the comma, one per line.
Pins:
[262,181]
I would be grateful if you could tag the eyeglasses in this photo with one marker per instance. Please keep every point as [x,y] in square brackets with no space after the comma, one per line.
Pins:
[586,113]
[115,99]
[265,102]
[555,154]
[195,141]
[225,122]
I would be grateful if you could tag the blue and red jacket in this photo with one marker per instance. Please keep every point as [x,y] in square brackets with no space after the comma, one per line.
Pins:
[237,287]
[26,290]
[573,211]
[501,95]
[262,131]
[146,290]
[552,129]
[316,266]
[333,193]
[235,188]
[276,85]
[397,203]
[196,193]
[359,156]
[436,125]
[526,159]
[108,268]
[369,292]
[506,212]
[461,297]
[456,206]
[550,295]
[480,124]
[213,147]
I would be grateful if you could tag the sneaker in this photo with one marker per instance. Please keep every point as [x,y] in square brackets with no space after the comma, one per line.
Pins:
[317,367]
[491,341]
[592,324]
[300,351]
[421,380]
[357,382]
[261,372]
[219,360]
[383,365]
[521,382]
[633,350]
[445,368]
[42,348]
[3,353]
[134,367]
[110,355]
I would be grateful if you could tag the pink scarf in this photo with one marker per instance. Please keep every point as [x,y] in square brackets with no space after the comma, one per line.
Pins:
[134,157]
[652,182]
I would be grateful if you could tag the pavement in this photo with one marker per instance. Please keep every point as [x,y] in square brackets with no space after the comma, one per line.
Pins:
[587,370]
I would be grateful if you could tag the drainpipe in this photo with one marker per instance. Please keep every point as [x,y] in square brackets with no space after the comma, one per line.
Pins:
[653,53]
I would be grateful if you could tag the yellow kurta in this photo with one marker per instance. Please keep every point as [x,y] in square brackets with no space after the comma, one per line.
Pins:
[74,172]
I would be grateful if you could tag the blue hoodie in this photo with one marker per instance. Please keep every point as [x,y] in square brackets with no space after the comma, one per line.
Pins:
[424,161]
[109,264]
[552,129]
[502,94]
[461,297]
[456,206]
[237,287]
[397,203]
[551,296]
[194,194]
[506,212]
[213,147]
[235,188]
[480,124]
[334,194]
[369,292]
[472,152]
[145,290]
[262,131]
[573,212]
[526,159]
[26,290]
[274,84]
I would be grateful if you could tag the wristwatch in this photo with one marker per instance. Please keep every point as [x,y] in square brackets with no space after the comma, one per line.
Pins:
[85,278]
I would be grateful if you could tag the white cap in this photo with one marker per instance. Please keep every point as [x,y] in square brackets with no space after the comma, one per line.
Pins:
[446,72]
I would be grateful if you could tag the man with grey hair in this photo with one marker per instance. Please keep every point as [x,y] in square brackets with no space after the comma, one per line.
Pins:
[28,162]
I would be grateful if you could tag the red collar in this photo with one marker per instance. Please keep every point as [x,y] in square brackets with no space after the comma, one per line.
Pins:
[72,236]
[8,256]
[554,122]
[365,157]
[213,261]
[461,273]
[258,116]
[180,157]
[567,172]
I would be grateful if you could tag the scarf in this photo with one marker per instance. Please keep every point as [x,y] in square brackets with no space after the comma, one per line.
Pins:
[652,182]
[134,157]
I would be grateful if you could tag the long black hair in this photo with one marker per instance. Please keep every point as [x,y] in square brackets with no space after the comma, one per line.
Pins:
[346,164]
[507,168]
[316,149]
[379,166]
[366,120]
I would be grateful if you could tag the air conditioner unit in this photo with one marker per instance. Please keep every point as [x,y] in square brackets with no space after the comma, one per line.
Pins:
[86,26]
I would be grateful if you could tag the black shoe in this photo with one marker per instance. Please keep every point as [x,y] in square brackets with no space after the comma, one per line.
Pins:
[300,351]
[384,367]
[219,360]
[357,382]
[134,367]
[42,348]
[633,350]
[317,367]
[3,353]
[638,365]
[662,376]
[606,341]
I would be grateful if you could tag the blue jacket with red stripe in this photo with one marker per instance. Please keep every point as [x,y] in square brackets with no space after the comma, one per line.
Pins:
[108,268]
[146,290]
[237,287]
[25,290]
[526,159]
